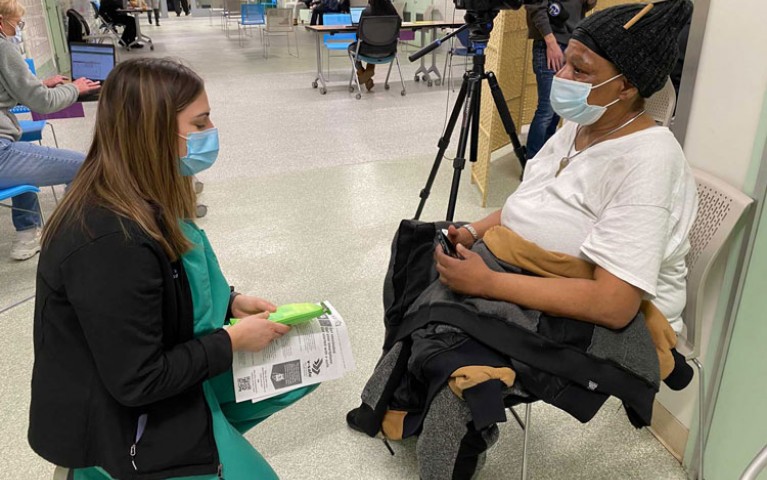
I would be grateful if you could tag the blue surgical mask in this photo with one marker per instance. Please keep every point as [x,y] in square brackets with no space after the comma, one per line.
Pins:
[16,39]
[201,151]
[569,99]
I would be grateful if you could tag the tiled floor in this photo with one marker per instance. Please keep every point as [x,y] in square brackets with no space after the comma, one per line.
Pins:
[303,203]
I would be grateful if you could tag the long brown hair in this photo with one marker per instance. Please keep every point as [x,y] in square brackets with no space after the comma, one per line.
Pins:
[132,166]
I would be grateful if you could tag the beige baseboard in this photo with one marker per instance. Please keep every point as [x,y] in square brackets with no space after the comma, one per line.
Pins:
[669,431]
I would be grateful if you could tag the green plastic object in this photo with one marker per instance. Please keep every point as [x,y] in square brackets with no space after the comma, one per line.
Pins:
[293,313]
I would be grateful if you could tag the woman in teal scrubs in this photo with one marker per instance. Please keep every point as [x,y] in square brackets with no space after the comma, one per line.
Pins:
[132,375]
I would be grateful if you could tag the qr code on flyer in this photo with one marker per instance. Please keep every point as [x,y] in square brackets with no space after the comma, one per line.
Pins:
[243,384]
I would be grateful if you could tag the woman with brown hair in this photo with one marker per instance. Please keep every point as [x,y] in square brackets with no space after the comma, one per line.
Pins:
[132,365]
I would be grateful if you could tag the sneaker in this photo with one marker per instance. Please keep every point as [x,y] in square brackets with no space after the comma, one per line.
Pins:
[26,244]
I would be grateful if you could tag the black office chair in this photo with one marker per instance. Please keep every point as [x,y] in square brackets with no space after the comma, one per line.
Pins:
[377,43]
[105,26]
[78,30]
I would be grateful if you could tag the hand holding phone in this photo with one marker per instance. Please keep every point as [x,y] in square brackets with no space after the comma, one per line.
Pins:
[447,246]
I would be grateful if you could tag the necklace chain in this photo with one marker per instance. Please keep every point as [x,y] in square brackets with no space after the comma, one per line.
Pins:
[565,161]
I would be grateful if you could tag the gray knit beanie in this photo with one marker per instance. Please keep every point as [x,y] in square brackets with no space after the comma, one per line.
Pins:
[646,52]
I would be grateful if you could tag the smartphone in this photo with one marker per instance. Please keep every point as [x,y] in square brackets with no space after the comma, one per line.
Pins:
[447,245]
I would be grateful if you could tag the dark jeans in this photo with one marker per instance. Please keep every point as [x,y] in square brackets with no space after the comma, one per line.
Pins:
[129,22]
[545,121]
[317,13]
[181,4]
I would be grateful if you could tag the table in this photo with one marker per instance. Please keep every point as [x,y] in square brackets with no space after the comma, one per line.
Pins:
[137,12]
[318,30]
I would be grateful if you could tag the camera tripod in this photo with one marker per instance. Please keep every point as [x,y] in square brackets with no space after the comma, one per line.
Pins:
[468,101]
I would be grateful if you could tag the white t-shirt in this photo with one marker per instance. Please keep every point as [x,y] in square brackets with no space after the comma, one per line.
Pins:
[626,205]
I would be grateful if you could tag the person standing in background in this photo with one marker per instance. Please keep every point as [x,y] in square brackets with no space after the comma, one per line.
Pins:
[550,23]
[182,5]
[153,6]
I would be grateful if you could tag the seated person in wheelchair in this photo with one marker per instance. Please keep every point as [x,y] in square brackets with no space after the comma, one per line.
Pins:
[23,163]
[108,10]
[543,299]
[139,302]
[365,74]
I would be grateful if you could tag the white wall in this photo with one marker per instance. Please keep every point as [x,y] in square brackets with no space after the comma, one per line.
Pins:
[731,81]
[730,84]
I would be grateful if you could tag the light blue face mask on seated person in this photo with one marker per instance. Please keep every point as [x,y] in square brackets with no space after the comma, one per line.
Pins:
[201,151]
[569,99]
[16,39]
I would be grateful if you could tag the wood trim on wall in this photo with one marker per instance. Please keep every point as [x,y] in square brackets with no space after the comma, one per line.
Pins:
[669,431]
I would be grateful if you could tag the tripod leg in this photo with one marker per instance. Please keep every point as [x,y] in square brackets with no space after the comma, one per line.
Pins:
[508,122]
[469,120]
[477,100]
[443,144]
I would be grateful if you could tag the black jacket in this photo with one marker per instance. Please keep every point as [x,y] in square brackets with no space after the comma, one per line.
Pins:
[552,359]
[113,341]
[569,14]
[109,9]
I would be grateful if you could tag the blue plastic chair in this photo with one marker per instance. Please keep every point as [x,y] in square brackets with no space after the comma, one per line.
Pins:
[337,41]
[6,193]
[252,15]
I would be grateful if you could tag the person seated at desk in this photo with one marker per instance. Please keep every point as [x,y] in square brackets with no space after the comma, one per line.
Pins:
[109,9]
[133,378]
[544,298]
[320,7]
[24,163]
[374,8]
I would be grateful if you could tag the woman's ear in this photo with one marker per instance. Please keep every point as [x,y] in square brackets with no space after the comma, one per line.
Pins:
[628,92]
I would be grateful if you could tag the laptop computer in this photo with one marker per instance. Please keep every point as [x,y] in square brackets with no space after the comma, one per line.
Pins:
[93,61]
[356,13]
